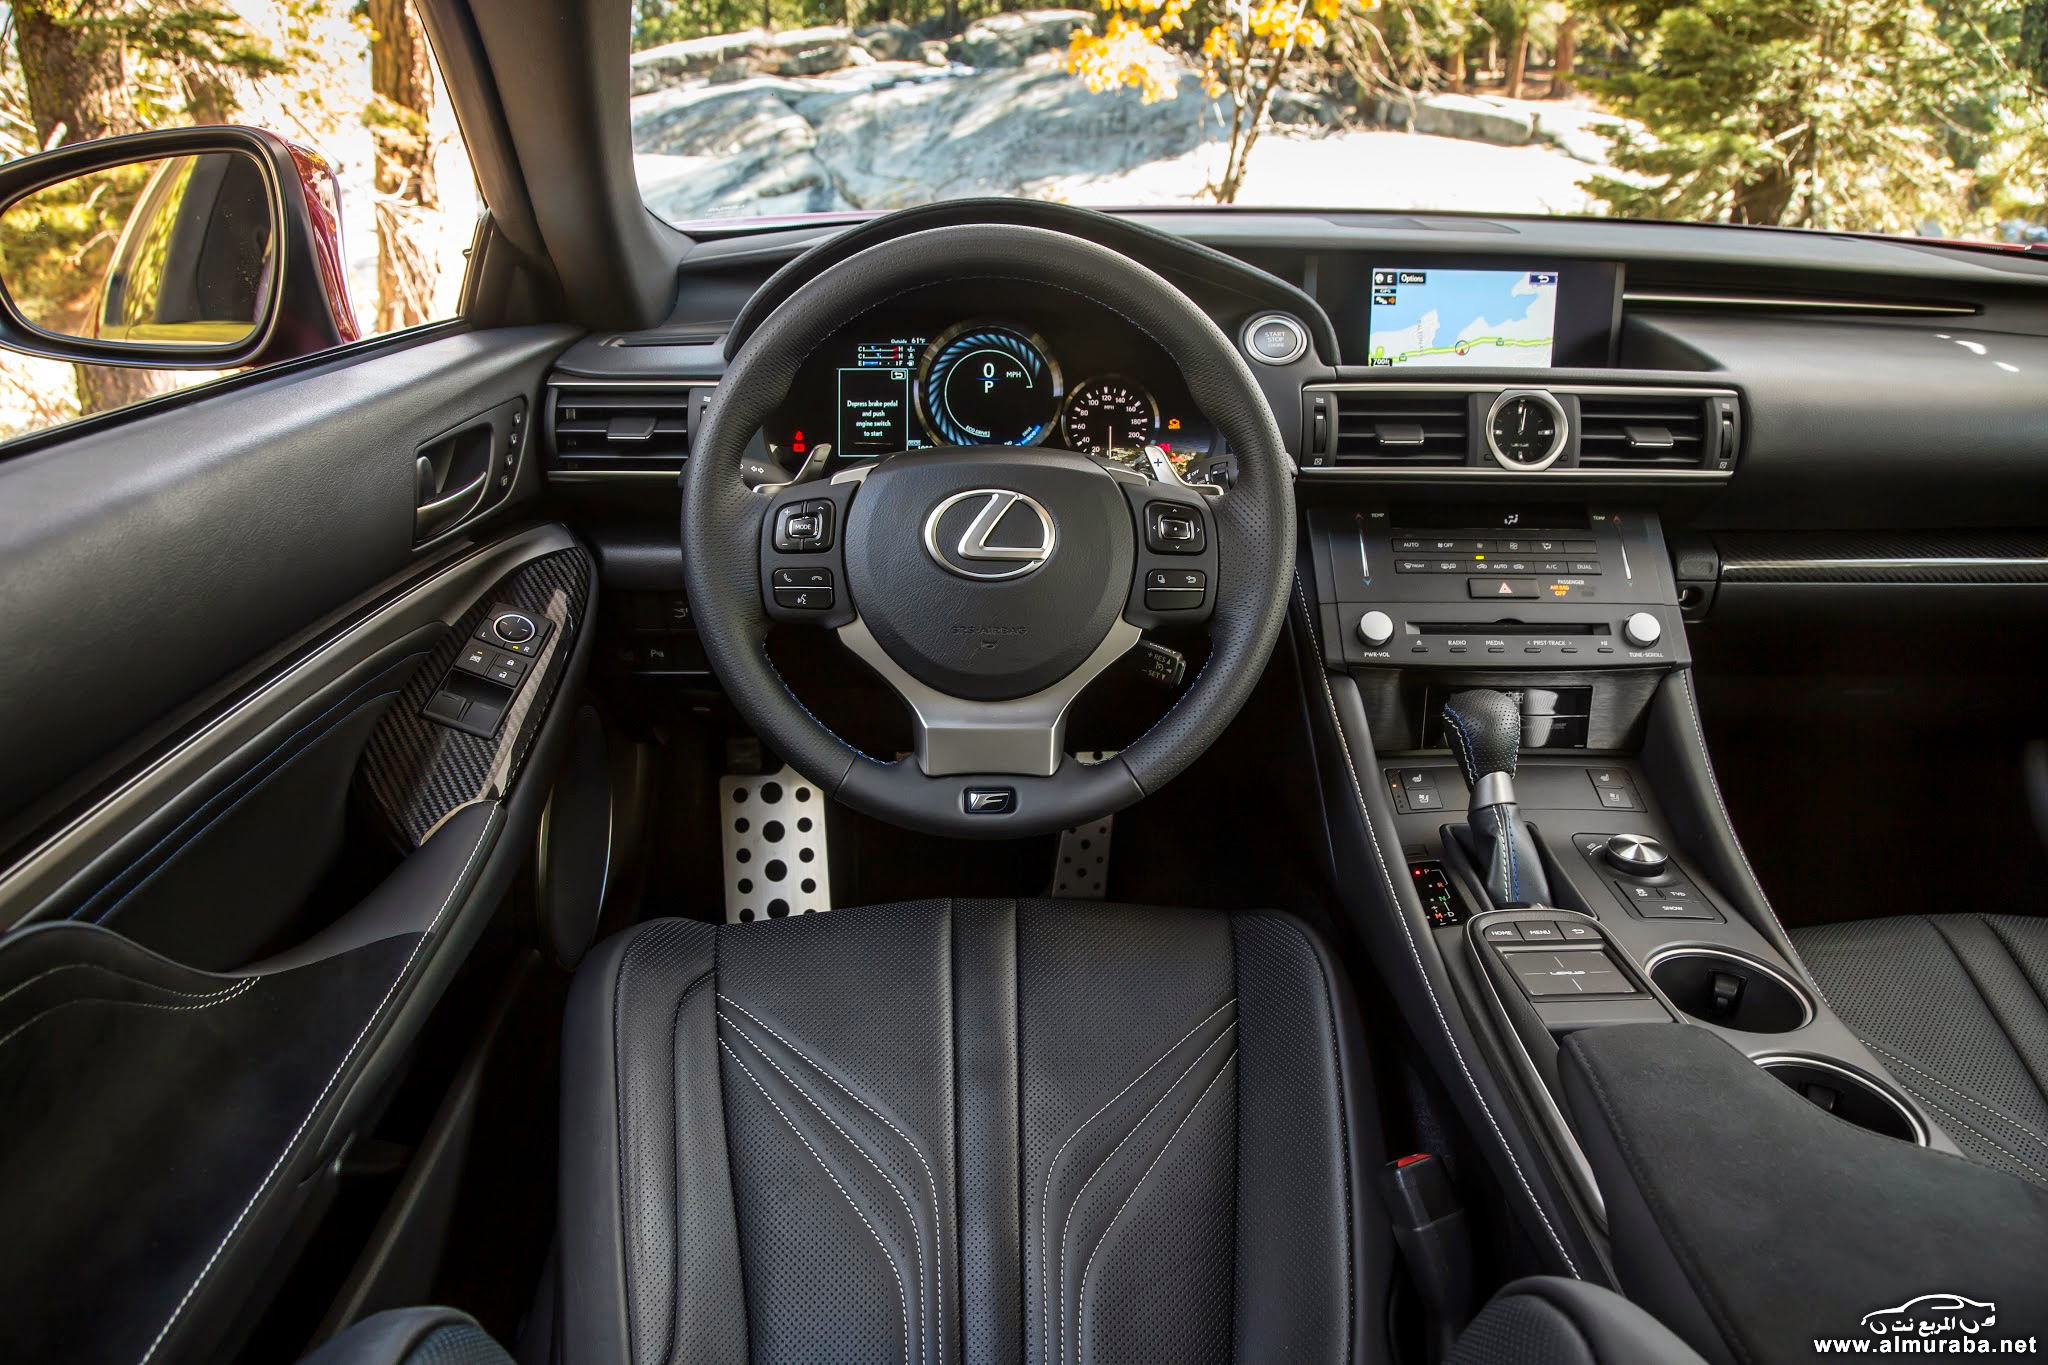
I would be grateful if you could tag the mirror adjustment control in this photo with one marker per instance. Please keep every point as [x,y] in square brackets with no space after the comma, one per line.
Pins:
[514,628]
[511,630]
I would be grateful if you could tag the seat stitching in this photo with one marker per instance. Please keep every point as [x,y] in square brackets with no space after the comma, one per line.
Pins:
[1081,1304]
[2020,967]
[223,998]
[1067,1223]
[1980,1131]
[1343,1113]
[1999,1114]
[938,1250]
[291,1144]
[1977,985]
[1394,899]
[1045,1190]
[902,1299]
[675,1030]
[916,1225]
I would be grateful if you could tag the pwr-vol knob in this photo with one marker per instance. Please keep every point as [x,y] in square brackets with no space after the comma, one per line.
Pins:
[1375,628]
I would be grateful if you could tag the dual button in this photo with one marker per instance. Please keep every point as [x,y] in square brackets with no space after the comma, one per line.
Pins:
[803,589]
[1175,589]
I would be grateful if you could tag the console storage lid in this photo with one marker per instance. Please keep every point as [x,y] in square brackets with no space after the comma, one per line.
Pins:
[1753,1223]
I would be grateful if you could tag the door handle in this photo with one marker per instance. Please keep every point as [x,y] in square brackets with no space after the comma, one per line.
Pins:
[430,518]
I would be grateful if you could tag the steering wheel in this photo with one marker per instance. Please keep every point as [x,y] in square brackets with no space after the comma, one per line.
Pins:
[987,585]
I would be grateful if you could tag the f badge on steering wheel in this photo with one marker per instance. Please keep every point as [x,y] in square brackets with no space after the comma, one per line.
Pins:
[1025,544]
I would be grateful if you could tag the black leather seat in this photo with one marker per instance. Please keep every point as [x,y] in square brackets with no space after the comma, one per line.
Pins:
[988,1131]
[926,1131]
[1956,1007]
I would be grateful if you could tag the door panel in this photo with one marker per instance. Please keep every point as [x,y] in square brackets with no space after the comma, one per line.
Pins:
[239,866]
[147,561]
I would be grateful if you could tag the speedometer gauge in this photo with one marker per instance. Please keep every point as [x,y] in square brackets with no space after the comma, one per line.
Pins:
[988,384]
[1110,417]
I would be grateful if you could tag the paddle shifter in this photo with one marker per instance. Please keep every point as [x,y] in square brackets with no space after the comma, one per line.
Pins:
[1485,732]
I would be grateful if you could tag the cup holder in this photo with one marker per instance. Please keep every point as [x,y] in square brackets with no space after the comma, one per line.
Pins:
[1734,992]
[1848,1095]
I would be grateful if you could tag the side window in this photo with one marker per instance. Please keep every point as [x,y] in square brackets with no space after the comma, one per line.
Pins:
[352,82]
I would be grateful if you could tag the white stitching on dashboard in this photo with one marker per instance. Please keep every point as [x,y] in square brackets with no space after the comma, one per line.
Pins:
[1728,822]
[916,1223]
[1394,900]
[292,1143]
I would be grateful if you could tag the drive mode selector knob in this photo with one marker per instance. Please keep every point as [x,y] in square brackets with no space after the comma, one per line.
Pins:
[513,628]
[1636,854]
[1375,628]
[1642,630]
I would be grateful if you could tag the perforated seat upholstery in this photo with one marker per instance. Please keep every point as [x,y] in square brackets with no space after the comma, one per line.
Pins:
[967,1130]
[1953,1005]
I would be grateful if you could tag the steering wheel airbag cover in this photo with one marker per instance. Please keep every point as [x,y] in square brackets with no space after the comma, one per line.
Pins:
[721,523]
[989,639]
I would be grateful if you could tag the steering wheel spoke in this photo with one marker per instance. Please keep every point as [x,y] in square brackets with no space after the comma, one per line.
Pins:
[1020,736]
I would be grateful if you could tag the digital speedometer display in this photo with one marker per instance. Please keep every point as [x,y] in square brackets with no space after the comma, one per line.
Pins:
[988,384]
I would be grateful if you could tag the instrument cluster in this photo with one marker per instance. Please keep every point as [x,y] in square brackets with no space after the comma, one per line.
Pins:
[1082,380]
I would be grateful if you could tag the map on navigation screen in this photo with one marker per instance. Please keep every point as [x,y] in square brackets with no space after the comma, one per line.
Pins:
[1488,318]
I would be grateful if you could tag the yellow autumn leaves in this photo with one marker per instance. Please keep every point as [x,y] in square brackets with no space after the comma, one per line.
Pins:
[1133,51]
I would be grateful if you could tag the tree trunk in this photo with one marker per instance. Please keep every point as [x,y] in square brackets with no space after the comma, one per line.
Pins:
[1456,74]
[1567,53]
[1518,64]
[102,388]
[77,86]
[75,78]
[402,79]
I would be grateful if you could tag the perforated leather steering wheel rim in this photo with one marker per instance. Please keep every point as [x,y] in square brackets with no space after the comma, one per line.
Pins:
[722,525]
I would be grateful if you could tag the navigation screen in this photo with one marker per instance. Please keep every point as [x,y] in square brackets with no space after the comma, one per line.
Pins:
[876,416]
[1470,318]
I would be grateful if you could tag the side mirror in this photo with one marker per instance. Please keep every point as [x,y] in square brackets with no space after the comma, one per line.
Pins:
[183,249]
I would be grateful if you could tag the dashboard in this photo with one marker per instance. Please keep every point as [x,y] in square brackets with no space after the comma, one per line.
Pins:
[981,364]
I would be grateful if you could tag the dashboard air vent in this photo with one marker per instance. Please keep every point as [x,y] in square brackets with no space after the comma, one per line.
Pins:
[600,427]
[1649,431]
[1404,430]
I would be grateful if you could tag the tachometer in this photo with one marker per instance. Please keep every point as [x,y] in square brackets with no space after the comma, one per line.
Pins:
[988,384]
[1111,417]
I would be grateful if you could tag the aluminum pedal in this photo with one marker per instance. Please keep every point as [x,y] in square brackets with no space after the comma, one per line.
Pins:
[777,862]
[1081,868]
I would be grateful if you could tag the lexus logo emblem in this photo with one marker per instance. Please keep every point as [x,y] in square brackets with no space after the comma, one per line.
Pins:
[1010,535]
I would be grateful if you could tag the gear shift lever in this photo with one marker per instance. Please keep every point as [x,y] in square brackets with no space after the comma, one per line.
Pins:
[1485,732]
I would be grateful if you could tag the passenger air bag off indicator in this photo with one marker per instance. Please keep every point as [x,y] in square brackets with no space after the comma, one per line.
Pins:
[1569,589]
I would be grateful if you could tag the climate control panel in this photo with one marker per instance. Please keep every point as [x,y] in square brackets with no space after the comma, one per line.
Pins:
[1548,585]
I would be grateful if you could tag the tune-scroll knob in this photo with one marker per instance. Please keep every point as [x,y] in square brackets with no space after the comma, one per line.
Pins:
[1375,628]
[1642,630]
[1636,854]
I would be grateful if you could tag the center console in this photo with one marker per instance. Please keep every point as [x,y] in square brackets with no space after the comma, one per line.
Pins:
[1572,865]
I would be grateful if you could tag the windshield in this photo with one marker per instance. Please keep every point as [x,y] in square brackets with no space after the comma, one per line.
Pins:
[1896,116]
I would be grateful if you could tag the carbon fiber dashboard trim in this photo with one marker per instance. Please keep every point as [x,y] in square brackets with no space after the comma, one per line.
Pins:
[1907,557]
[415,772]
